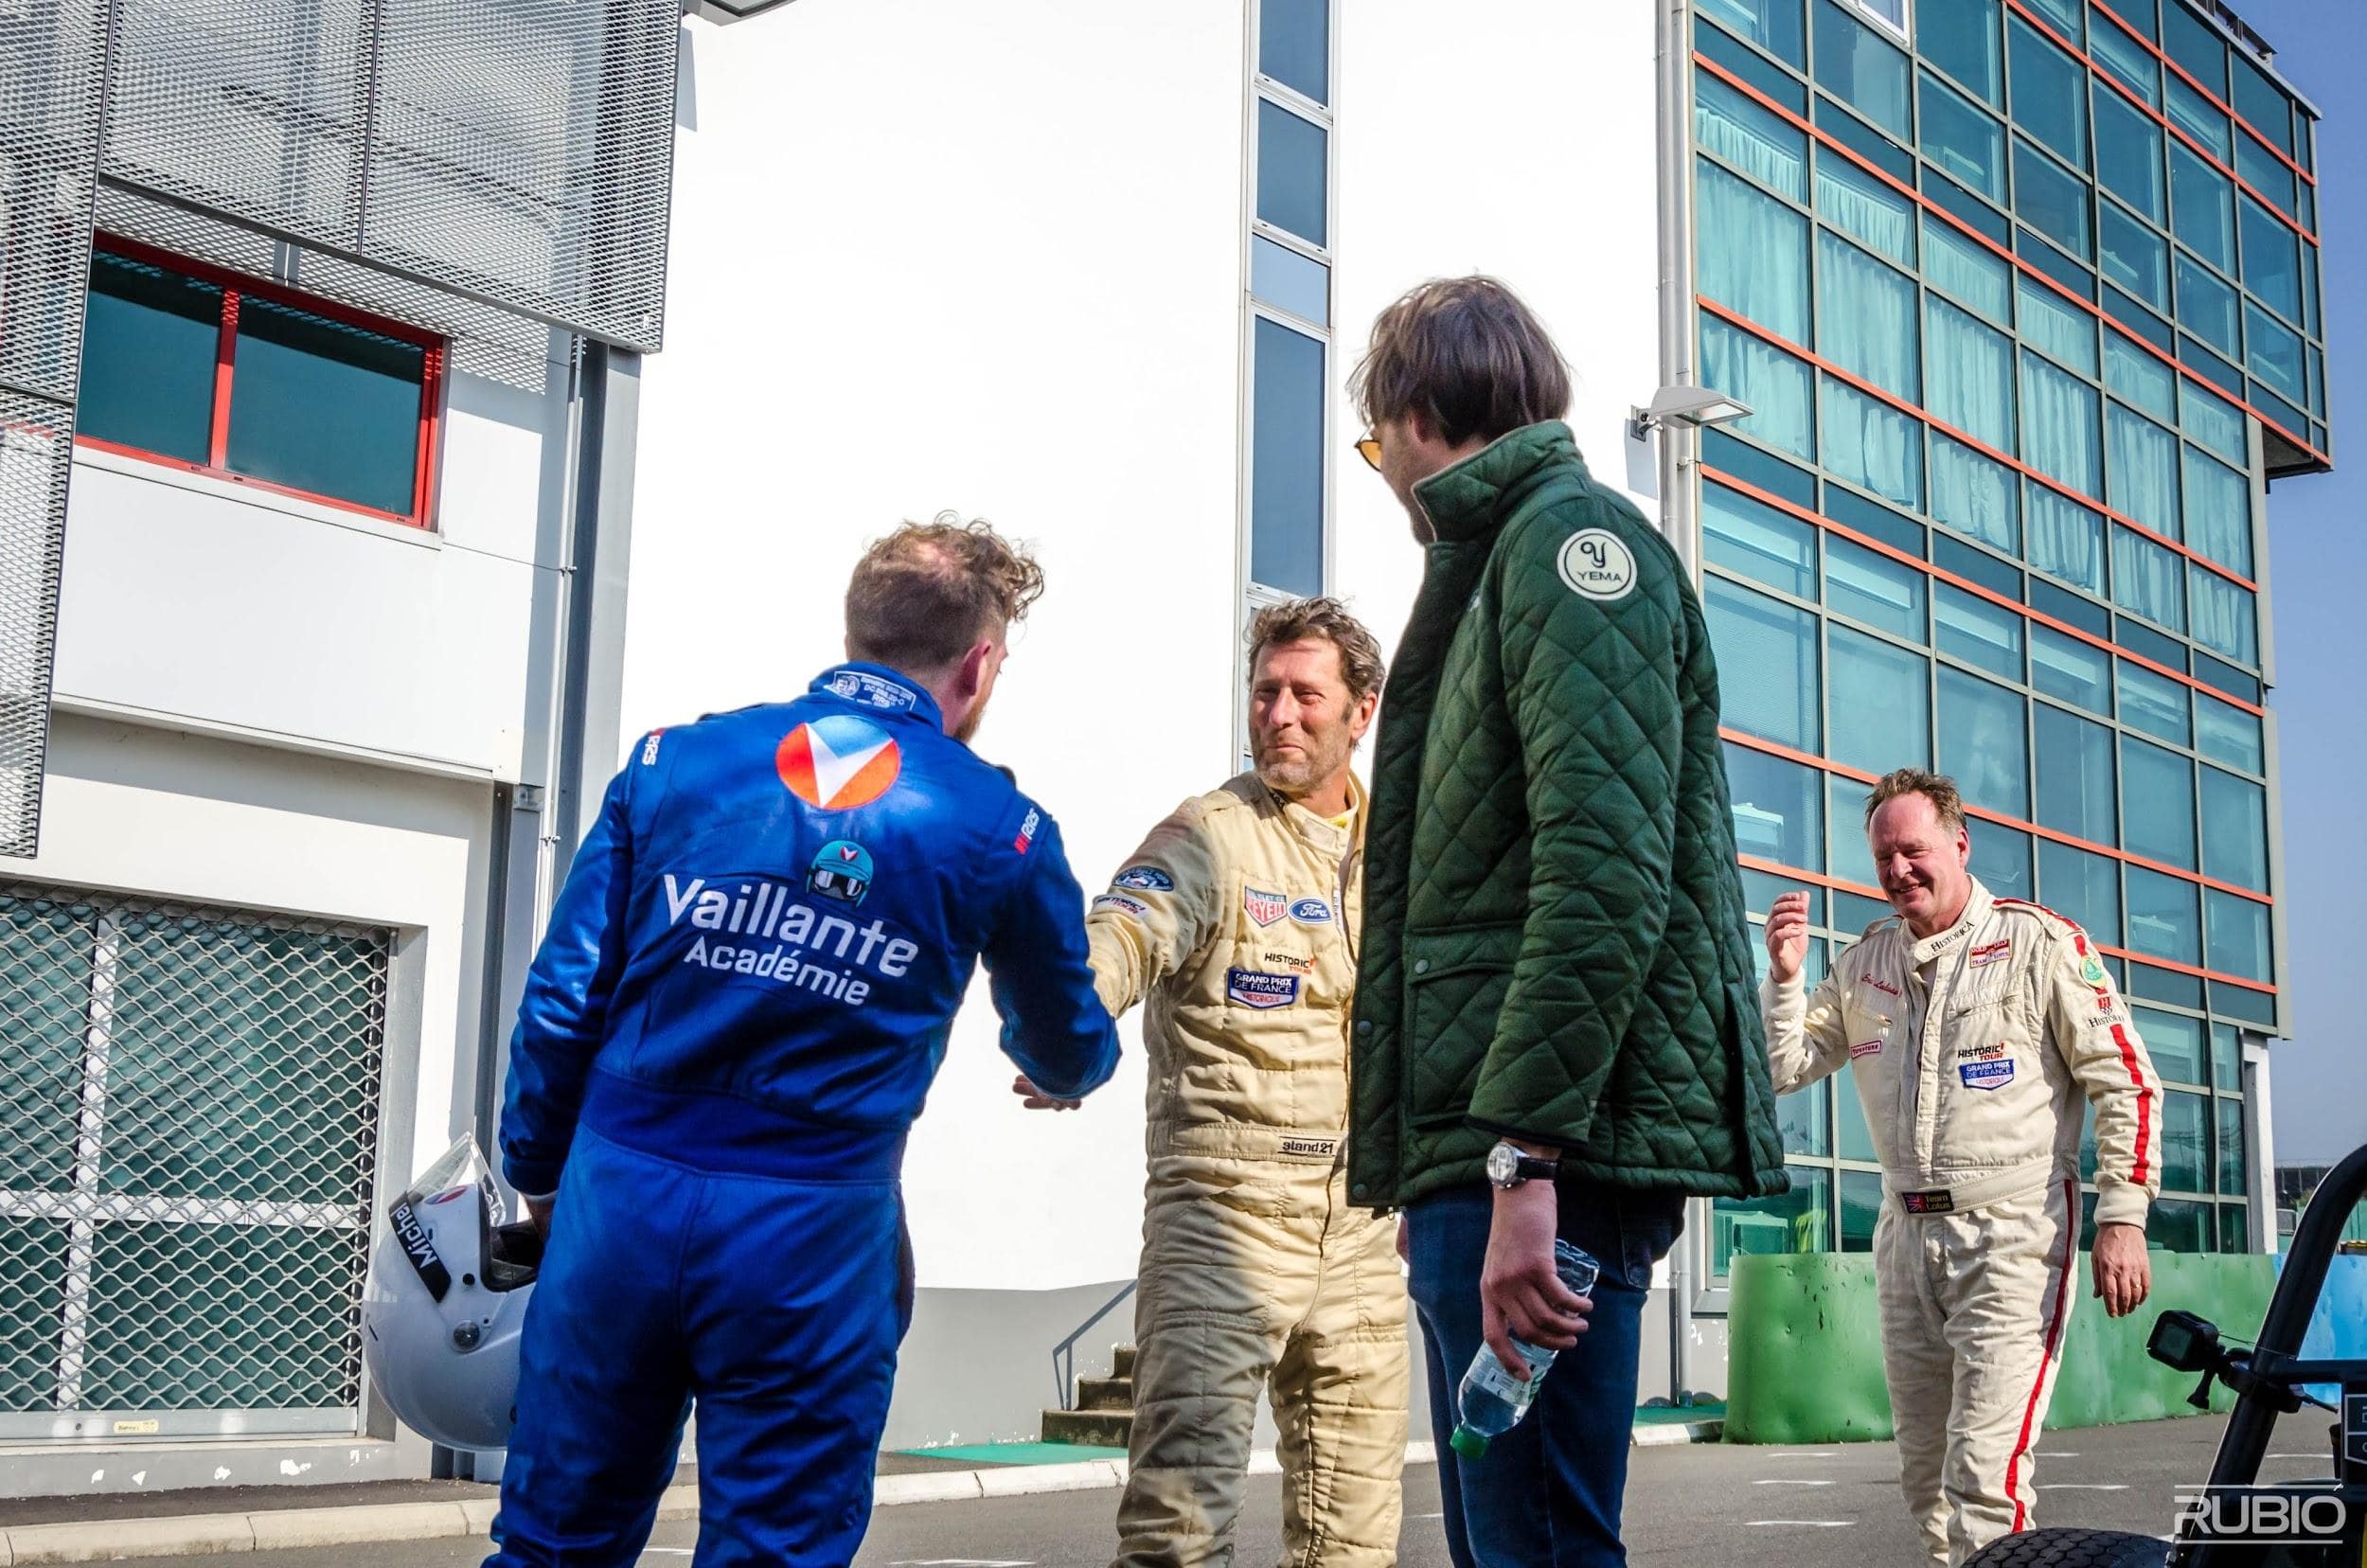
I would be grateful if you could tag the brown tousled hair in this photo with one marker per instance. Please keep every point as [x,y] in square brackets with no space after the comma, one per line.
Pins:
[1327,619]
[1467,356]
[923,596]
[1938,789]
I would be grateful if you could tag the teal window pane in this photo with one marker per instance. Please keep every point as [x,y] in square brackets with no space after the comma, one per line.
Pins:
[45,952]
[2185,1144]
[2129,153]
[1846,855]
[1286,517]
[1881,704]
[1968,382]
[1870,587]
[1289,281]
[1767,664]
[2192,113]
[2130,61]
[1983,745]
[2087,1171]
[150,343]
[2050,201]
[1799,1221]
[2218,512]
[2071,670]
[2175,1040]
[1773,383]
[2227,1057]
[2158,804]
[1974,495]
[321,406]
[2231,1163]
[1294,44]
[1755,254]
[2154,704]
[2147,579]
[2058,426]
[1871,444]
[2238,937]
[2136,375]
[1858,204]
[1962,142]
[2067,17]
[2271,259]
[2226,733]
[2049,92]
[32,1300]
[1960,267]
[2180,1225]
[1803,1116]
[1746,536]
[2258,168]
[2263,104]
[2164,919]
[2057,328]
[2081,887]
[2132,255]
[2206,306]
[1861,1207]
[2066,538]
[1960,38]
[1854,1140]
[2076,790]
[1855,65]
[1734,127]
[2234,830]
[2213,420]
[2226,617]
[2142,471]
[2000,858]
[1866,316]
[2203,208]
[1778,807]
[2196,47]
[2274,352]
[1293,177]
[1972,629]
[1773,25]
[1852,912]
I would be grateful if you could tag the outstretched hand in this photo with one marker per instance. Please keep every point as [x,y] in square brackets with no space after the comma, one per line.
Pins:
[1036,1099]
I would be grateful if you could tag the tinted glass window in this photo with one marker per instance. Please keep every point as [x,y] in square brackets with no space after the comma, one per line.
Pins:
[1779,806]
[1767,664]
[1983,745]
[2129,153]
[1856,67]
[1291,180]
[1881,704]
[1744,535]
[1773,25]
[2234,830]
[1960,141]
[322,406]
[2157,794]
[2082,887]
[149,346]
[1286,461]
[2076,791]
[2049,92]
[1294,44]
[1960,38]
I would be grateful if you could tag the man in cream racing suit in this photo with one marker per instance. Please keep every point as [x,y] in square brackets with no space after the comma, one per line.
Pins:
[1236,921]
[1974,1027]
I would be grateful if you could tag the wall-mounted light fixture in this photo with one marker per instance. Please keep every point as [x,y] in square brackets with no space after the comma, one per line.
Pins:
[1685,405]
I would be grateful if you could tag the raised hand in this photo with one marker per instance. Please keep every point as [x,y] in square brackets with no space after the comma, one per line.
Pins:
[1788,936]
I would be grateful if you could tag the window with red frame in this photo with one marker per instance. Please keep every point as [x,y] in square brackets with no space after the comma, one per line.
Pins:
[218,374]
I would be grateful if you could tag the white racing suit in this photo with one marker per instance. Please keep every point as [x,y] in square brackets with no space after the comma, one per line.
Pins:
[1236,921]
[1972,1051]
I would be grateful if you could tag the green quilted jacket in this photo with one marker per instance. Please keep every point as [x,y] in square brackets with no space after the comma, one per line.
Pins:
[1555,945]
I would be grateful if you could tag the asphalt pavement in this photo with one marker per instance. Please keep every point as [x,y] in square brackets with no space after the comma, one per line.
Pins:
[1706,1505]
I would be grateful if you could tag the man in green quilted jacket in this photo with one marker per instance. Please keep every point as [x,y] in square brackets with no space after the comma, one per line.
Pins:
[1557,1021]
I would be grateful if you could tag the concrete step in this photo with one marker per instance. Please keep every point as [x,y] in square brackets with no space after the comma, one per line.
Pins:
[1121,1361]
[1105,1393]
[1095,1428]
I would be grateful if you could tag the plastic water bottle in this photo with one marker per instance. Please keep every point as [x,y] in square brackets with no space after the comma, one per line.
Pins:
[1492,1400]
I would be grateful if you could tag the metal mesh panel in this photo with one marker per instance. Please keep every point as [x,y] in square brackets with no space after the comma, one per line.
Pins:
[36,455]
[51,55]
[188,1111]
[517,151]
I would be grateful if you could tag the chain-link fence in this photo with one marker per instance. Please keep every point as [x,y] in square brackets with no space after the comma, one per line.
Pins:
[188,1132]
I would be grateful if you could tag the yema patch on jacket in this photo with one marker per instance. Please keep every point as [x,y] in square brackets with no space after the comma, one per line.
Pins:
[1254,990]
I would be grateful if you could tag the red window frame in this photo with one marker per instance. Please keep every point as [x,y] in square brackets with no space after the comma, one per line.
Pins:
[236,286]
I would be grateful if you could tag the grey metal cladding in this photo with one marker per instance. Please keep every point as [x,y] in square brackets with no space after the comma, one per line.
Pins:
[36,455]
[519,152]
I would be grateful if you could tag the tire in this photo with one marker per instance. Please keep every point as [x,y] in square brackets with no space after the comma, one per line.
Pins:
[2072,1549]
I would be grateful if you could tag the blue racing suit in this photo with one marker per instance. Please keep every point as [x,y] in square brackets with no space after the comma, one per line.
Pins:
[733,1021]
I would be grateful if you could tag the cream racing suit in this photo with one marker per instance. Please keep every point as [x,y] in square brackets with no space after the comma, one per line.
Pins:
[1236,921]
[1973,1050]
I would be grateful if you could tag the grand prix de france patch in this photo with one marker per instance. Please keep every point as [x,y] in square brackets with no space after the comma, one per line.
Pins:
[1986,1075]
[1253,989]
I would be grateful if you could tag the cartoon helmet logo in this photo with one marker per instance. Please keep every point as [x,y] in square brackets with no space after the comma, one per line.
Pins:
[841,871]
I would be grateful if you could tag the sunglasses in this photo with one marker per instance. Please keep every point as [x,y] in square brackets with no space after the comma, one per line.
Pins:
[1369,449]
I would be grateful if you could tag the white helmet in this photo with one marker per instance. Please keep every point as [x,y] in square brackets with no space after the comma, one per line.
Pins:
[446,1300]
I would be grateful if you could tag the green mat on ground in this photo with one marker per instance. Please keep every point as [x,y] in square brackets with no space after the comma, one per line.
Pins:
[1703,1410]
[1018,1454]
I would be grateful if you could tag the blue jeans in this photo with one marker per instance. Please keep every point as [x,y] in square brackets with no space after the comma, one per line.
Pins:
[1549,1490]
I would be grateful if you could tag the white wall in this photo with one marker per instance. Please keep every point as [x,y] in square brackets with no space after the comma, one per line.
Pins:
[933,254]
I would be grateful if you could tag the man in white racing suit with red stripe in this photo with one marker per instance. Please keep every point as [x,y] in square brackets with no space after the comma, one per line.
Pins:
[1974,1027]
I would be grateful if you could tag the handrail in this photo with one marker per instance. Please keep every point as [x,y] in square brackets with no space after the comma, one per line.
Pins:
[1064,1353]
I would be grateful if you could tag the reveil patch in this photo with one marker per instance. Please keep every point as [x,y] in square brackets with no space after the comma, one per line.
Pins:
[1595,563]
[1866,1048]
[1264,907]
[1118,903]
[1990,953]
[1291,961]
[1310,911]
[1986,1075]
[1252,989]
[1144,879]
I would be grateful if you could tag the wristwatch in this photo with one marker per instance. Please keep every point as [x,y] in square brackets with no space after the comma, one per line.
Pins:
[1507,1166]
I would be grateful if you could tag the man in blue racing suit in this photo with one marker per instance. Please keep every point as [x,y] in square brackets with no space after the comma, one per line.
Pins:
[744,995]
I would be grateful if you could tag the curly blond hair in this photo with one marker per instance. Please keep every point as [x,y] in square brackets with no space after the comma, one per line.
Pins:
[923,596]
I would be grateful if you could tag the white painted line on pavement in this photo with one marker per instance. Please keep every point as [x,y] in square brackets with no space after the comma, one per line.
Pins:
[2057,1453]
[2298,1457]
[1805,1523]
[2081,1485]
[1790,1481]
[1806,1454]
